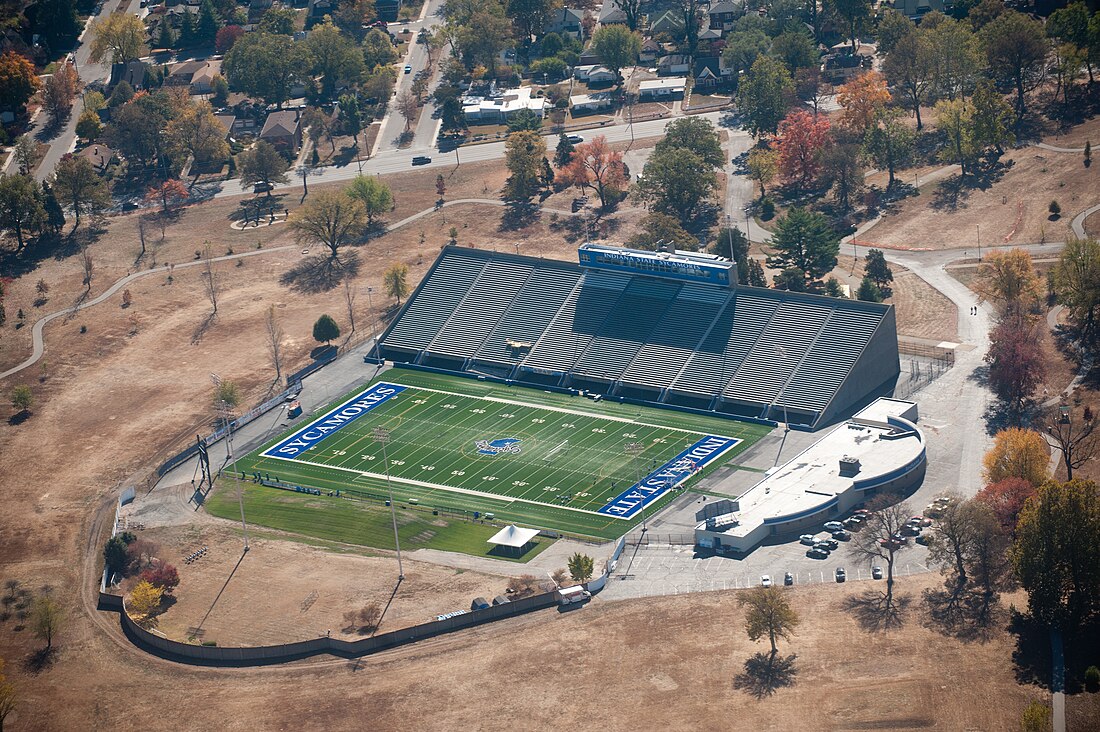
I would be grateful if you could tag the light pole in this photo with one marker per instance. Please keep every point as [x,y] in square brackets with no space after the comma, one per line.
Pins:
[729,235]
[634,449]
[979,228]
[381,435]
[225,412]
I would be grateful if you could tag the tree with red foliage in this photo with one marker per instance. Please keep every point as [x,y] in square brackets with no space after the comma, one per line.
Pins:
[1006,498]
[1015,361]
[595,165]
[170,190]
[802,137]
[226,37]
[18,81]
[163,575]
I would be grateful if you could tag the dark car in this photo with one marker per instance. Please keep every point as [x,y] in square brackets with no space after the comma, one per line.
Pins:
[876,572]
[842,535]
[840,575]
[788,579]
[421,160]
[816,553]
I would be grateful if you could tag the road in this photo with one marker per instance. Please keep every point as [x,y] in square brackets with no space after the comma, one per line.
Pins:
[65,140]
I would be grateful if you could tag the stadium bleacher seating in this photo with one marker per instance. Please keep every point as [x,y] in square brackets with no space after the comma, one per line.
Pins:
[741,350]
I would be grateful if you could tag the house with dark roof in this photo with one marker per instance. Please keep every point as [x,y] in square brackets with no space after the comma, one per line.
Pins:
[100,156]
[917,9]
[387,9]
[707,73]
[674,64]
[283,131]
[133,73]
[611,14]
[722,15]
[651,51]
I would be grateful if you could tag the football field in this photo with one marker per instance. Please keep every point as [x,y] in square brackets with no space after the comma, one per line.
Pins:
[547,460]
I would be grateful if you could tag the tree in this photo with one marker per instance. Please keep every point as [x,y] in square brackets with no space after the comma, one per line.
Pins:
[691,15]
[797,50]
[1035,718]
[25,152]
[407,106]
[952,537]
[78,187]
[892,27]
[274,341]
[212,287]
[843,172]
[18,80]
[697,135]
[119,38]
[805,240]
[676,181]
[144,600]
[364,620]
[395,278]
[869,291]
[762,95]
[876,542]
[802,137]
[279,20]
[21,208]
[331,218]
[956,56]
[564,151]
[374,194]
[47,617]
[955,119]
[910,68]
[524,152]
[595,165]
[352,16]
[1077,282]
[743,48]
[226,37]
[1076,438]
[1016,453]
[59,92]
[22,398]
[166,38]
[8,696]
[227,395]
[1016,49]
[1015,359]
[162,575]
[325,329]
[530,16]
[89,126]
[198,133]
[876,268]
[1057,552]
[616,46]
[55,216]
[266,65]
[171,190]
[208,25]
[336,57]
[580,567]
[1006,498]
[854,13]
[262,164]
[889,145]
[1008,279]
[863,100]
[768,614]
[657,228]
[378,49]
[135,130]
[763,165]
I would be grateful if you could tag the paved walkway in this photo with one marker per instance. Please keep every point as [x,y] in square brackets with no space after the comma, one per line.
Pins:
[1078,223]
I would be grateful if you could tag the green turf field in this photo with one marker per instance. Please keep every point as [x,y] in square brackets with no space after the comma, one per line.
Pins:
[571,458]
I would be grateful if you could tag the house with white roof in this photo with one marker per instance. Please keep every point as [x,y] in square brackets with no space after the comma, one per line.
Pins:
[500,107]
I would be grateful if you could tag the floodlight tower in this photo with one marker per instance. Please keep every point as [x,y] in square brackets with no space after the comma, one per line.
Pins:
[225,411]
[381,435]
[634,449]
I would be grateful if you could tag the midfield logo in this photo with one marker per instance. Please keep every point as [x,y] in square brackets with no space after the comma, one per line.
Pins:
[497,447]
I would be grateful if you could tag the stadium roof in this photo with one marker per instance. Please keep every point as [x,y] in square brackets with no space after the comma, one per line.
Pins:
[513,536]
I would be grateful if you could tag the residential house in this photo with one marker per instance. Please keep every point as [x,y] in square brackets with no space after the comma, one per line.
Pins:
[588,103]
[673,64]
[917,9]
[100,156]
[387,9]
[502,106]
[318,9]
[722,16]
[651,51]
[611,14]
[283,130]
[594,75]
[227,121]
[133,73]
[566,21]
[662,89]
[707,73]
[670,22]
[710,39]
[197,75]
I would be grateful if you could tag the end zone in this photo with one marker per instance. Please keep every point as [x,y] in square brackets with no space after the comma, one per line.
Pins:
[317,430]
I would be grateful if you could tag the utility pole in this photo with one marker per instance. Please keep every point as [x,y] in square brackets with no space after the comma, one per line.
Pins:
[381,435]
[226,413]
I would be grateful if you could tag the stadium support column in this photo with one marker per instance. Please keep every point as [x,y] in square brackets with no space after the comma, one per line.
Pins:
[382,436]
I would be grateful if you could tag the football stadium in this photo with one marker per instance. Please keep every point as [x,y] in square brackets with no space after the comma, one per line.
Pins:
[581,398]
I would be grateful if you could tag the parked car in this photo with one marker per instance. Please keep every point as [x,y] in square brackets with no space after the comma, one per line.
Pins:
[876,572]
[861,512]
[831,543]
[816,553]
[900,538]
[855,523]
[823,546]
[833,526]
[765,580]
[922,540]
[921,521]
[408,69]
[842,535]
[910,530]
[262,187]
[808,539]
[421,160]
[840,575]
[788,579]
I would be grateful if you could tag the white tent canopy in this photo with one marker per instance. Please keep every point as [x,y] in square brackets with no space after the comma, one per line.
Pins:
[512,536]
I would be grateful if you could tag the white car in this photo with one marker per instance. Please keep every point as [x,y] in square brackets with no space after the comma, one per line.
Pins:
[833,526]
[766,580]
[807,539]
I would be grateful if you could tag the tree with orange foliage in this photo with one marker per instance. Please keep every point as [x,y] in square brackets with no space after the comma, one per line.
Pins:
[57,98]
[1017,453]
[862,100]
[170,190]
[18,82]
[1006,499]
[802,137]
[595,165]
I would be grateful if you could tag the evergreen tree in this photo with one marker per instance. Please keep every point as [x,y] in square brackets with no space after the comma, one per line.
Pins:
[876,268]
[564,152]
[165,37]
[869,291]
[804,239]
[208,25]
[187,31]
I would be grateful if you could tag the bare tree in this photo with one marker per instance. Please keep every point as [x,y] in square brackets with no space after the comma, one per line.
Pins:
[881,539]
[990,565]
[88,266]
[406,107]
[141,235]
[210,278]
[274,342]
[303,172]
[1077,438]
[951,539]
[349,301]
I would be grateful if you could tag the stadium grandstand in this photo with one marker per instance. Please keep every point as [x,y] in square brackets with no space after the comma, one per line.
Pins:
[664,328]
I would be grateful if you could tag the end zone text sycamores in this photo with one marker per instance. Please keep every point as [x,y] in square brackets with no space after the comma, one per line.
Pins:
[669,475]
[344,414]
